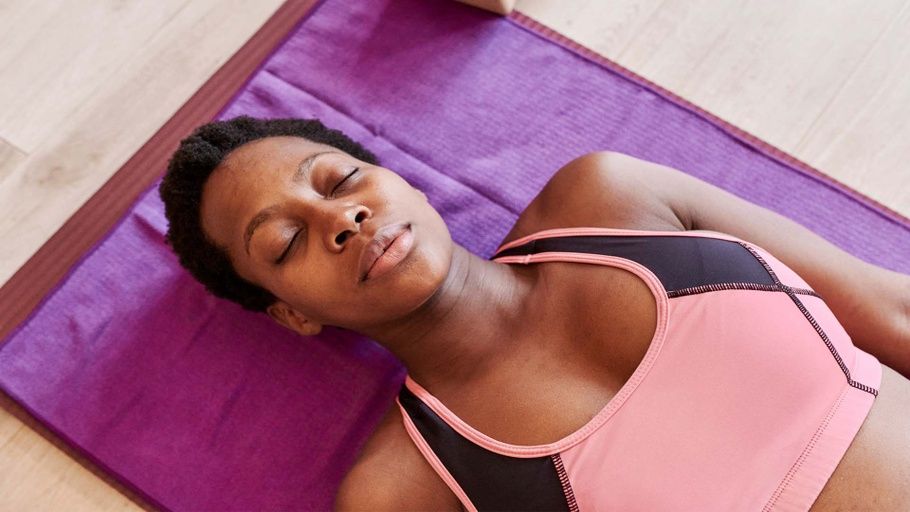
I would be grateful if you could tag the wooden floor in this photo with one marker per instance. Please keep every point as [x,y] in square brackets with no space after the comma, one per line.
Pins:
[84,84]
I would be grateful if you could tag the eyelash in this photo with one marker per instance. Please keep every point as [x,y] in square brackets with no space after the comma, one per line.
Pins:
[343,180]
[287,250]
[332,194]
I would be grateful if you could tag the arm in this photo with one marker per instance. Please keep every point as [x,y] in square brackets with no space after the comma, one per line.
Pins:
[384,483]
[391,475]
[365,489]
[871,303]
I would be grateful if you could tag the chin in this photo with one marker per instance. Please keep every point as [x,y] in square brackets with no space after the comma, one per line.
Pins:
[423,277]
[419,276]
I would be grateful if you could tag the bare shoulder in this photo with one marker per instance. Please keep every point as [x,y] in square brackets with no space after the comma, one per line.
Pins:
[391,474]
[600,189]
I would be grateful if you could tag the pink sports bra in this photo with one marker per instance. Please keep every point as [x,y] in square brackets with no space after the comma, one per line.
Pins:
[747,398]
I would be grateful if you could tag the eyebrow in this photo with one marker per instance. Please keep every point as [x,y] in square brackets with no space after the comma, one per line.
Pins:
[303,169]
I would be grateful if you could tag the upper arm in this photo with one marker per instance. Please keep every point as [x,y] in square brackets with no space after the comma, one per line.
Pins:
[359,491]
[391,474]
[870,302]
[380,486]
[586,192]
[367,488]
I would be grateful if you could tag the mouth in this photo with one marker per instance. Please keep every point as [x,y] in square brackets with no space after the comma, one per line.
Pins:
[389,246]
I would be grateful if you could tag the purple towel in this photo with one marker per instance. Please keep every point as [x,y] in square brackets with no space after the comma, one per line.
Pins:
[200,405]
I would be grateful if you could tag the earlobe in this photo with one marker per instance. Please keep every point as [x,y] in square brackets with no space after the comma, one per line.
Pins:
[289,317]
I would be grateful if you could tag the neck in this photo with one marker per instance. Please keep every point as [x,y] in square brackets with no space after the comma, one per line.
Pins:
[474,317]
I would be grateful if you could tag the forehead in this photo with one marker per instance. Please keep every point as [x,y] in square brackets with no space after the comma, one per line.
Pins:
[247,180]
[270,153]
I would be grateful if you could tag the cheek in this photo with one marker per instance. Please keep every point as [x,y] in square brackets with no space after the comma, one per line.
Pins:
[304,285]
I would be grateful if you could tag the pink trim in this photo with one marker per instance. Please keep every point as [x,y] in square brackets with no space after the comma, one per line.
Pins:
[660,295]
[599,231]
[434,461]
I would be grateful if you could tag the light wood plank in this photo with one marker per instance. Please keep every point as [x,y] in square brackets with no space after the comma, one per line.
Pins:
[52,68]
[11,157]
[864,131]
[125,109]
[771,69]
[35,475]
[76,142]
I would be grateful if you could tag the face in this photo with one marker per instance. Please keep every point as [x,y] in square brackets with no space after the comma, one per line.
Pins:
[301,233]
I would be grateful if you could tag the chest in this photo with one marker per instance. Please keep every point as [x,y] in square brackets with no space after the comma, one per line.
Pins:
[600,321]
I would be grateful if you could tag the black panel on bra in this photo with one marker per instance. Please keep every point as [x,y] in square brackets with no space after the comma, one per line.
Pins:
[492,481]
[678,261]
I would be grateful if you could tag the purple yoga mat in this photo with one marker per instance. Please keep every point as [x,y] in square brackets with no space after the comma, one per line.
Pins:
[200,405]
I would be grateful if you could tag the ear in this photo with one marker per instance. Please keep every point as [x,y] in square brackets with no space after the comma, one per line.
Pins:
[284,314]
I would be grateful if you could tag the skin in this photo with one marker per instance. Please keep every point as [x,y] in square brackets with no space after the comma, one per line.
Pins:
[418,310]
[532,353]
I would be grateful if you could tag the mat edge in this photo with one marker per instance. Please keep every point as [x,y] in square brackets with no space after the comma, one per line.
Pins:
[766,148]
[92,224]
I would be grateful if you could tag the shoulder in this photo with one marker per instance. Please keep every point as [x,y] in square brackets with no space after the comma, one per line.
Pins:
[602,189]
[391,474]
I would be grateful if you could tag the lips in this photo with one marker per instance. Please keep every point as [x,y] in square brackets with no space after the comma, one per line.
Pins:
[375,248]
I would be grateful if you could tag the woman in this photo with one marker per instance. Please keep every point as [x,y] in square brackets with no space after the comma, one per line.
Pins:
[624,350]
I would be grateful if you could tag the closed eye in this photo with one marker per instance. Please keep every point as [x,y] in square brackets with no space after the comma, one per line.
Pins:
[284,254]
[339,184]
[287,249]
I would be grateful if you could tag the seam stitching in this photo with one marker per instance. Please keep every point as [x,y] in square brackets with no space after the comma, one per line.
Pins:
[805,454]
[814,323]
[692,290]
[564,481]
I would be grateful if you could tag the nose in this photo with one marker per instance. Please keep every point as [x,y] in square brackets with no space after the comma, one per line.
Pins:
[345,224]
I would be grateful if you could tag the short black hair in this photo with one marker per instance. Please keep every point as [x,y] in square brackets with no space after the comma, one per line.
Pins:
[181,190]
